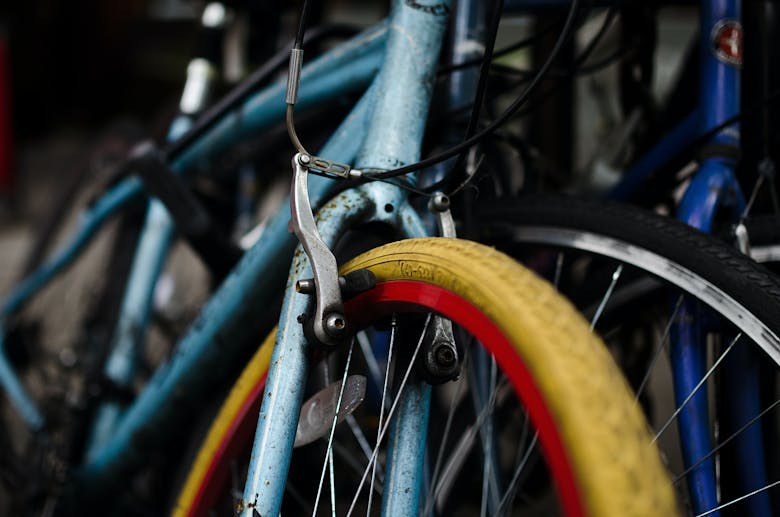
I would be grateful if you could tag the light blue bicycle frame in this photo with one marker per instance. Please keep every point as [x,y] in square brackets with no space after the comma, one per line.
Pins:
[384,130]
[400,99]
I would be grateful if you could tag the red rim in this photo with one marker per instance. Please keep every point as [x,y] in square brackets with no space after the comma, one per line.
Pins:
[398,295]
[391,296]
[237,438]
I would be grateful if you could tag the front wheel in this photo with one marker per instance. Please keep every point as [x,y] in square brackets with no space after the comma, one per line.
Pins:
[539,418]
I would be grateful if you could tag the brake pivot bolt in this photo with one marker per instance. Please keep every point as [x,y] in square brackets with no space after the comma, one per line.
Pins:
[335,325]
[444,355]
[304,159]
[440,202]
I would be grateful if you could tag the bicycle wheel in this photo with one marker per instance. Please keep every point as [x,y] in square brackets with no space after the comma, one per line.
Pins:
[591,434]
[635,274]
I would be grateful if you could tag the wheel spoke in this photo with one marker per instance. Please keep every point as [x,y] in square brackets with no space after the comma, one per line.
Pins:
[393,330]
[558,269]
[445,438]
[370,357]
[511,490]
[752,199]
[462,449]
[386,426]
[600,309]
[329,450]
[332,483]
[346,455]
[738,499]
[489,481]
[660,348]
[361,439]
[725,442]
[696,388]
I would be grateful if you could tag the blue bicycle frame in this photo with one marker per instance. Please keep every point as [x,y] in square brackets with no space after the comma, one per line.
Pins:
[239,302]
[215,338]
[713,190]
[400,96]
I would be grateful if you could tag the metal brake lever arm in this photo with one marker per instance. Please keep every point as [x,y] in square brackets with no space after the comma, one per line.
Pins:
[329,324]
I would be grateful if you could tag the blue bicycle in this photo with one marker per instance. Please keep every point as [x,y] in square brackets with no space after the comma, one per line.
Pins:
[429,338]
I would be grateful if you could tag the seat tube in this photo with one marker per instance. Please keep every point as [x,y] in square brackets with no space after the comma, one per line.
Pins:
[718,100]
[713,189]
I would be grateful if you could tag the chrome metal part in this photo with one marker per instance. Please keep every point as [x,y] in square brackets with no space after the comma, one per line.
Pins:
[294,75]
[440,202]
[662,267]
[328,322]
[329,167]
[318,413]
[197,88]
[765,253]
[742,238]
[335,325]
[215,15]
[440,205]
[439,354]
[305,286]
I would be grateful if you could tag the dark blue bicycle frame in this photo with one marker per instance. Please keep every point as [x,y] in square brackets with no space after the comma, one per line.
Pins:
[713,191]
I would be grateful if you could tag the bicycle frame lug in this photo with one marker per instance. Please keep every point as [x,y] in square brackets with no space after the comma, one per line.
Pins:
[440,358]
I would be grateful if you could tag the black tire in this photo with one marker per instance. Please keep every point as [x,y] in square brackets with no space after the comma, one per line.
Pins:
[525,226]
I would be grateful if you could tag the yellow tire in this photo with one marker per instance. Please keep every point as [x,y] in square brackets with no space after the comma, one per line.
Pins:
[593,434]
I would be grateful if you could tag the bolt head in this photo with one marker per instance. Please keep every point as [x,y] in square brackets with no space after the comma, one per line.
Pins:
[335,325]
[444,355]
[441,202]
[304,159]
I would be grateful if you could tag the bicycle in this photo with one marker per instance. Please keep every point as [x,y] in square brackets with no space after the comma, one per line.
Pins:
[237,305]
[713,198]
[740,264]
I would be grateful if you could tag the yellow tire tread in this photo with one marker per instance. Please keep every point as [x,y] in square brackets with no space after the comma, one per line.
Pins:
[603,430]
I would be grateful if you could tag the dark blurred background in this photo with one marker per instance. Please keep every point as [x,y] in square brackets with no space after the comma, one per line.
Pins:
[86,61]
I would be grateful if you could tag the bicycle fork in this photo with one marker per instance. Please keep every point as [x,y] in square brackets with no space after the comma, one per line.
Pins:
[393,138]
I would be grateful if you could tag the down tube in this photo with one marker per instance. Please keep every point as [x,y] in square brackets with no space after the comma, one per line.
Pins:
[236,307]
[347,68]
